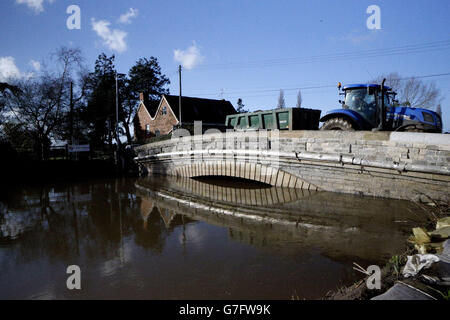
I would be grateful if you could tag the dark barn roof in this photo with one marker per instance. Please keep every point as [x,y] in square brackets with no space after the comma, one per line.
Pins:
[196,109]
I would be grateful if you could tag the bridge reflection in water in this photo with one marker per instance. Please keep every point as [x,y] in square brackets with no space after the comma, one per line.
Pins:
[341,226]
[179,238]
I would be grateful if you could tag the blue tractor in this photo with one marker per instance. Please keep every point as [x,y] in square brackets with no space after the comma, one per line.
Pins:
[373,107]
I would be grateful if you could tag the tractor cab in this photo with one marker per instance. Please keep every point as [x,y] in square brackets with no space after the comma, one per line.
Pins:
[372,107]
[365,99]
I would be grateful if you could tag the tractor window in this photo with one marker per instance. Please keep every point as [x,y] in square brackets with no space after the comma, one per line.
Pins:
[387,102]
[363,102]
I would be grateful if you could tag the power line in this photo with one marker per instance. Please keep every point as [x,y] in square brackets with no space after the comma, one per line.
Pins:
[174,74]
[426,76]
[273,90]
[272,95]
[371,53]
[316,87]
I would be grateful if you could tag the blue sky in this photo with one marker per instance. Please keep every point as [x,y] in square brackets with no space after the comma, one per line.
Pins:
[240,49]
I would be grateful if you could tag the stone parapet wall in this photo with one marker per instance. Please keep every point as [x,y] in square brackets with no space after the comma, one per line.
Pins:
[393,165]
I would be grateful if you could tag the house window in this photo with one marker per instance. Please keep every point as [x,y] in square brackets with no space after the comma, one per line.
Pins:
[147,128]
[157,133]
[164,110]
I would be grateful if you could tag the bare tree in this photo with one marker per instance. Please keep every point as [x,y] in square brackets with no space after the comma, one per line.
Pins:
[439,110]
[4,88]
[37,109]
[415,93]
[241,106]
[299,99]
[392,80]
[41,103]
[412,92]
[281,101]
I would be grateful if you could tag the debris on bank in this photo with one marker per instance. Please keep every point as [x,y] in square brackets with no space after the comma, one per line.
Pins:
[427,277]
[431,241]
[424,275]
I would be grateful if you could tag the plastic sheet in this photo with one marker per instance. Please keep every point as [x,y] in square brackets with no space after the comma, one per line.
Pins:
[418,262]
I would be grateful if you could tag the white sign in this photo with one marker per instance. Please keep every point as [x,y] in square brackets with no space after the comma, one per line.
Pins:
[79,148]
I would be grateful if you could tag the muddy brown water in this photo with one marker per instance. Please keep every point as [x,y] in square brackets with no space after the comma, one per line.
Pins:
[179,238]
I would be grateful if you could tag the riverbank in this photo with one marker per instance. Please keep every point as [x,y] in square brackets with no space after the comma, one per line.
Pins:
[24,168]
[23,173]
[393,283]
[57,170]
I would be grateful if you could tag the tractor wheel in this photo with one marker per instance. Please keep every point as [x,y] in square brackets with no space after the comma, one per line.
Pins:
[338,124]
[413,128]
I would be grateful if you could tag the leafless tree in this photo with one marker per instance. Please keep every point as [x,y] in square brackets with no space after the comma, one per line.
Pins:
[439,110]
[281,101]
[415,93]
[241,106]
[299,99]
[41,104]
[412,92]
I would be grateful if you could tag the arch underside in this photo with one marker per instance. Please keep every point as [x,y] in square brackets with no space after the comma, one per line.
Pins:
[243,170]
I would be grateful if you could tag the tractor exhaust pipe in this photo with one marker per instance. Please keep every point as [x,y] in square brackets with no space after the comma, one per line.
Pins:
[382,125]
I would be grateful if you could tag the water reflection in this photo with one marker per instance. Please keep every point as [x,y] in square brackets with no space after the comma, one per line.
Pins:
[178,238]
[342,226]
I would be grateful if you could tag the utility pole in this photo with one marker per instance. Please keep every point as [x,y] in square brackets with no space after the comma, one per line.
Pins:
[71,114]
[71,111]
[117,119]
[179,100]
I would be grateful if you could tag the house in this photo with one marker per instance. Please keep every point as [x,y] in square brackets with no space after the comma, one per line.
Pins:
[155,118]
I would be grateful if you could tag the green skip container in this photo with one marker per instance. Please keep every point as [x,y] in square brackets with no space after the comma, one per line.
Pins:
[282,119]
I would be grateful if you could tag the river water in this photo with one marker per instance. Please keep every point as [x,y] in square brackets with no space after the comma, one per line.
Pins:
[179,238]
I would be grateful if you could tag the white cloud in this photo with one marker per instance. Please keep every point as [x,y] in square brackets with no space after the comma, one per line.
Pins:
[128,16]
[8,69]
[36,65]
[36,5]
[188,58]
[113,39]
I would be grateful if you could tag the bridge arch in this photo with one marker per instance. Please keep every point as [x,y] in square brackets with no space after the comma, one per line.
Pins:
[245,170]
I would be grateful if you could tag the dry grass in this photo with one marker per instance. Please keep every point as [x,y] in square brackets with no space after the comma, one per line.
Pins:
[436,209]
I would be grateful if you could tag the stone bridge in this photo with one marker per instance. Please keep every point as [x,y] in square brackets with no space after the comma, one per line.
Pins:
[385,164]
